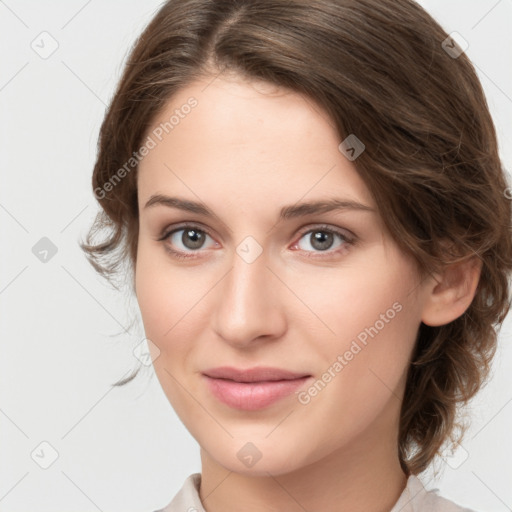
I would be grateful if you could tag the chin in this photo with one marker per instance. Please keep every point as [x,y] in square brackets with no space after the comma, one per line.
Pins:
[250,456]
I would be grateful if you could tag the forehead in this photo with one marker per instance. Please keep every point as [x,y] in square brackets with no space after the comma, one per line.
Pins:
[247,140]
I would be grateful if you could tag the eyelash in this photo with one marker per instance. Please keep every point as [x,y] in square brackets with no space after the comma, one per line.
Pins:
[348,240]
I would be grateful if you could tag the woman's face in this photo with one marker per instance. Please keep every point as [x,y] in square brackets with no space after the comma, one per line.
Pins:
[265,281]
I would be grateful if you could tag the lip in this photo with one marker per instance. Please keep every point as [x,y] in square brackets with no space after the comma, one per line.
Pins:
[253,388]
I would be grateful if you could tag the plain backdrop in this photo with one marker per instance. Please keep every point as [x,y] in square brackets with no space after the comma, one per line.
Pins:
[64,332]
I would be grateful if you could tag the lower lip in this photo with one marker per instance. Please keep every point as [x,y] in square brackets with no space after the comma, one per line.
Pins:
[251,396]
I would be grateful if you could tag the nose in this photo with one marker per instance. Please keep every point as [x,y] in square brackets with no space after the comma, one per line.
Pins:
[248,307]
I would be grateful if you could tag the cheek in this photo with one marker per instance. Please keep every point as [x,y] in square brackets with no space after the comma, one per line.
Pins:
[161,296]
[370,318]
[166,299]
[368,298]
[173,303]
[152,301]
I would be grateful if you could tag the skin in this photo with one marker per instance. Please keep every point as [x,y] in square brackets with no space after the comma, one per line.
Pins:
[246,150]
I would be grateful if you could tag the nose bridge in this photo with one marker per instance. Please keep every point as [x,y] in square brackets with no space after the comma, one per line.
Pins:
[247,305]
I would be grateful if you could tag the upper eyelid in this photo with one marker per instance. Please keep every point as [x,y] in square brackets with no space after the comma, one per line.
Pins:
[190,225]
[326,227]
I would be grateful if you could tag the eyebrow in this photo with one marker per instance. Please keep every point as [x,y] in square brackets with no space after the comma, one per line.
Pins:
[286,212]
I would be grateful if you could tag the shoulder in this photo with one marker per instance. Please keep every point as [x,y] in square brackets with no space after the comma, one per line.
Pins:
[187,498]
[416,498]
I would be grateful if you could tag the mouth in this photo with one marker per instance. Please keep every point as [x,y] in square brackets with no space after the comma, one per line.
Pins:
[257,374]
[254,388]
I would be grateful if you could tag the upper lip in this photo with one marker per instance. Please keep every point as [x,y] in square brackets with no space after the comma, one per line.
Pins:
[258,374]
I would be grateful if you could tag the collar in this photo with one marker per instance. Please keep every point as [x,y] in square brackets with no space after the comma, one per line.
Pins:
[414,498]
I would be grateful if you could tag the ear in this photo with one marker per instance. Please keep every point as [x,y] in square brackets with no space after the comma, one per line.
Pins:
[451,292]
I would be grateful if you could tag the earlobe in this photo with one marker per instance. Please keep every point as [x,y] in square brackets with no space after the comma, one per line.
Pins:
[451,292]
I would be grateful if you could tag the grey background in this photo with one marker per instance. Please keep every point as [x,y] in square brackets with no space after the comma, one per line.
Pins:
[63,337]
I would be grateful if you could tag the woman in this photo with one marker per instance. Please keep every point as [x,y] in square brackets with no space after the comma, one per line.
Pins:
[311,203]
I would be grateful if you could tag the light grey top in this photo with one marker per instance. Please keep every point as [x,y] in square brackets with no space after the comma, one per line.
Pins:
[414,498]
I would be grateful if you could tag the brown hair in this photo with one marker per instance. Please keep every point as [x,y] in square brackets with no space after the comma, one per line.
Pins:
[380,69]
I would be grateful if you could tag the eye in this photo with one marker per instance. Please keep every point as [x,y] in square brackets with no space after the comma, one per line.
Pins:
[188,240]
[322,239]
[184,241]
